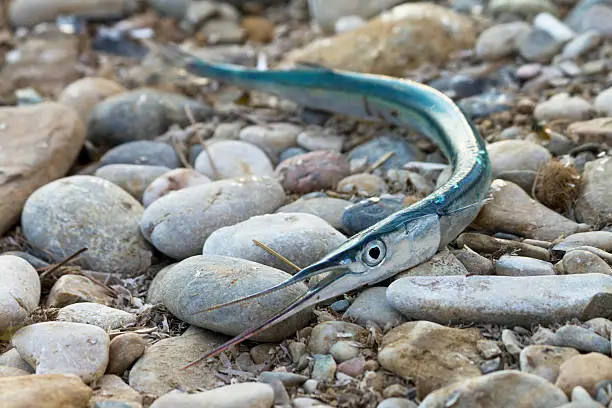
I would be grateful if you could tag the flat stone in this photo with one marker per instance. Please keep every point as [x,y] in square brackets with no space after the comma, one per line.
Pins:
[248,395]
[70,289]
[19,293]
[328,208]
[105,317]
[508,388]
[594,206]
[430,354]
[143,152]
[584,370]
[62,216]
[225,159]
[582,339]
[508,265]
[580,261]
[371,305]
[508,155]
[64,348]
[194,284]
[44,391]
[160,369]
[380,46]
[504,300]
[39,144]
[301,238]
[597,239]
[179,223]
[545,361]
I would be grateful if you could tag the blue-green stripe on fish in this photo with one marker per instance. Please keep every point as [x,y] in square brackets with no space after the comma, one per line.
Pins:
[403,239]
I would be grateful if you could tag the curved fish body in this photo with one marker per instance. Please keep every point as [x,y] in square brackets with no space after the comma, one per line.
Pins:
[407,237]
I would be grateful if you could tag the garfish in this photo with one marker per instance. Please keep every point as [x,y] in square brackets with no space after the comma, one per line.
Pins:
[409,236]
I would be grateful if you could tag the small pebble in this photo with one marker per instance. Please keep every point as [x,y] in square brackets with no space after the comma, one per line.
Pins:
[69,289]
[511,342]
[324,367]
[144,152]
[171,181]
[318,139]
[313,171]
[105,317]
[508,265]
[19,293]
[363,184]
[124,350]
[488,348]
[327,208]
[544,360]
[325,335]
[581,339]
[233,158]
[248,395]
[371,305]
[133,178]
[353,367]
[272,139]
[344,350]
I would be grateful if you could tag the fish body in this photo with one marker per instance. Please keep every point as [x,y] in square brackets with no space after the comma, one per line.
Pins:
[405,238]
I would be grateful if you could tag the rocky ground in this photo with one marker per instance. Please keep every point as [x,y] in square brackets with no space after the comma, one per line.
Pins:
[131,195]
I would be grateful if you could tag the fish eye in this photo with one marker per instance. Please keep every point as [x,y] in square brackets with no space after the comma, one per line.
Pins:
[373,252]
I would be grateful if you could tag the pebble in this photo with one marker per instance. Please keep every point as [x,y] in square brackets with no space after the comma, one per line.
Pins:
[312,171]
[39,144]
[362,184]
[62,216]
[430,354]
[581,44]
[501,40]
[584,370]
[582,339]
[12,371]
[596,18]
[597,239]
[105,317]
[371,306]
[222,31]
[179,223]
[172,180]
[273,139]
[396,403]
[85,93]
[133,178]
[489,245]
[69,289]
[539,46]
[124,350]
[474,263]
[513,211]
[160,369]
[142,152]
[19,292]
[580,261]
[442,263]
[11,358]
[600,325]
[508,388]
[380,146]
[485,299]
[194,285]
[141,114]
[340,306]
[344,350]
[563,106]
[327,208]
[524,8]
[324,367]
[602,392]
[318,139]
[225,159]
[301,238]
[488,348]
[594,206]
[552,25]
[291,152]
[44,391]
[603,102]
[64,348]
[596,130]
[111,389]
[28,13]
[247,395]
[508,265]
[353,367]
[545,361]
[325,335]
[509,155]
[511,342]
[288,379]
[366,213]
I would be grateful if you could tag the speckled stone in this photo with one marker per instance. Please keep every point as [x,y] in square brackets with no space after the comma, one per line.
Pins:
[313,171]
[145,152]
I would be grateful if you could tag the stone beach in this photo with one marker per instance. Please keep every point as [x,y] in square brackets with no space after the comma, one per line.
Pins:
[134,196]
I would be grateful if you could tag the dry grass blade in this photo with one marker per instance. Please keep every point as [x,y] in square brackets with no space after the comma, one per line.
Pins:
[52,268]
[381,161]
[276,254]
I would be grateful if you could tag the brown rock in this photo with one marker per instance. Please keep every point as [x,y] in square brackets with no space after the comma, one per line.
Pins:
[597,130]
[69,289]
[594,205]
[44,391]
[46,62]
[430,354]
[545,361]
[501,389]
[585,371]
[514,212]
[258,29]
[123,351]
[39,144]
[112,388]
[313,171]
[85,93]
[404,38]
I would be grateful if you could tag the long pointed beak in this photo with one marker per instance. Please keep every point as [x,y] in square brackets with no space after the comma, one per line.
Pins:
[316,268]
[336,272]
